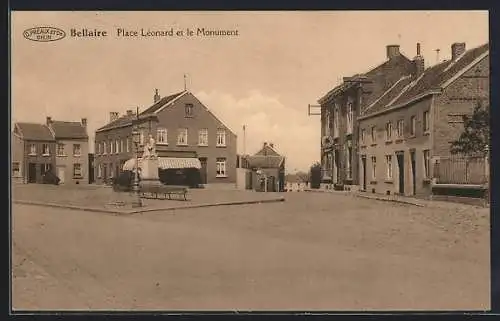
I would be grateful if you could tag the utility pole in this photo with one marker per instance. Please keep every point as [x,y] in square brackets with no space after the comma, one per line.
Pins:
[185,82]
[244,139]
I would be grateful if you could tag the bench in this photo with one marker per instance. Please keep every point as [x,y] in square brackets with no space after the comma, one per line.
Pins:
[165,192]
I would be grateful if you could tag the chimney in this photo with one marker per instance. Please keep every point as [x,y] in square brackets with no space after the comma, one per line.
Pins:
[265,144]
[49,120]
[156,97]
[84,122]
[392,51]
[271,145]
[113,116]
[418,63]
[457,49]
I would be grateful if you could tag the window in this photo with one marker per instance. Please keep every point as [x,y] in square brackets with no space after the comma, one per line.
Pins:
[182,136]
[128,144]
[117,146]
[221,137]
[348,163]
[77,150]
[401,125]
[374,135]
[111,147]
[427,163]
[388,164]
[374,168]
[189,110]
[203,137]
[105,148]
[388,131]
[45,148]
[99,171]
[221,167]
[77,170]
[426,121]
[161,136]
[327,122]
[413,122]
[32,149]
[349,117]
[122,143]
[16,169]
[363,135]
[60,149]
[336,122]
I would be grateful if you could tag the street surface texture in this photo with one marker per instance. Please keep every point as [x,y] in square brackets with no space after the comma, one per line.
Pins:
[315,251]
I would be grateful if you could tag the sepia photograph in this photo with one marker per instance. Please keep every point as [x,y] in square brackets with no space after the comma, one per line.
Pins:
[250,161]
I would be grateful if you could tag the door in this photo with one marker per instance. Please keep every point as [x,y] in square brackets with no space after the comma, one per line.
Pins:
[401,166]
[203,170]
[336,160]
[31,173]
[61,174]
[413,172]
[363,163]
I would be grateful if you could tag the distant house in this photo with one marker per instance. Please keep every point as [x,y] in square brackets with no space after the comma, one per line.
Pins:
[188,135]
[38,151]
[296,182]
[267,164]
[72,149]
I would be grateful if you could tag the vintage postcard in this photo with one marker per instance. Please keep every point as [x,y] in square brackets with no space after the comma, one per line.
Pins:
[250,161]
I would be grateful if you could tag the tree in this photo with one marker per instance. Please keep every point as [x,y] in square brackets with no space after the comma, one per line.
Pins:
[315,175]
[476,135]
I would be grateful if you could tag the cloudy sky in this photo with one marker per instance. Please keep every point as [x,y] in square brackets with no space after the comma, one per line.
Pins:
[263,78]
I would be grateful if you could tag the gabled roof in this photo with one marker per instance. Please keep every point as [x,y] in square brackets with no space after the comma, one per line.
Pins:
[267,150]
[259,161]
[162,102]
[33,131]
[432,80]
[122,121]
[71,130]
[398,60]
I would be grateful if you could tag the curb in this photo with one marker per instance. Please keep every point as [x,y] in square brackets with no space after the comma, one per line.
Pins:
[389,200]
[146,210]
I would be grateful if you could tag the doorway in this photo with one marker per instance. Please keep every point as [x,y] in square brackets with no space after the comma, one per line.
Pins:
[401,166]
[413,172]
[31,173]
[363,163]
[203,170]
[336,160]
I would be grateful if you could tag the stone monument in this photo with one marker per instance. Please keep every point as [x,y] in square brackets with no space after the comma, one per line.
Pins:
[149,165]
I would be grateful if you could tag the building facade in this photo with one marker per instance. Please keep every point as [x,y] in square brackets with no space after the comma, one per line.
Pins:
[17,157]
[404,135]
[38,151]
[72,150]
[340,109]
[185,128]
[266,166]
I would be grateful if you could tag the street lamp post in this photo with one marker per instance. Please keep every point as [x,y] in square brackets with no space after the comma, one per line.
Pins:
[137,202]
[260,172]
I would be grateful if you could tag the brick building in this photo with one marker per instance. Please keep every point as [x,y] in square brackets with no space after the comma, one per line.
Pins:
[408,129]
[271,165]
[340,109]
[38,147]
[72,149]
[187,134]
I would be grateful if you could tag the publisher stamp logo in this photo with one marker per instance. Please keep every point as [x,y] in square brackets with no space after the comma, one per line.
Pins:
[44,34]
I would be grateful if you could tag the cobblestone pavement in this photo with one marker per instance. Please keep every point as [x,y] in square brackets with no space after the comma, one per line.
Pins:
[313,251]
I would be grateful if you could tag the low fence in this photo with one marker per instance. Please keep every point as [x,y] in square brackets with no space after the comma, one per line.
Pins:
[465,170]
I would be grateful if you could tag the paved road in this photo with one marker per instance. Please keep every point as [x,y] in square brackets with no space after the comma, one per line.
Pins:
[315,251]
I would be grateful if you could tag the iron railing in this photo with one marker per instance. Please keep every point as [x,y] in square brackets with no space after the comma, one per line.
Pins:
[461,170]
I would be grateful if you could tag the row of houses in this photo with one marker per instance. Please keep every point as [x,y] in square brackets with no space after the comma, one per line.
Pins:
[57,147]
[385,130]
[187,136]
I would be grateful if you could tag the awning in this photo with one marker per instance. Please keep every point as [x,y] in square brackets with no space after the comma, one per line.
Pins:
[167,163]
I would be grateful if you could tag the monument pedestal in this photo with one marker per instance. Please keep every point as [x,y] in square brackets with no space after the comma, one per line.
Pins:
[149,173]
